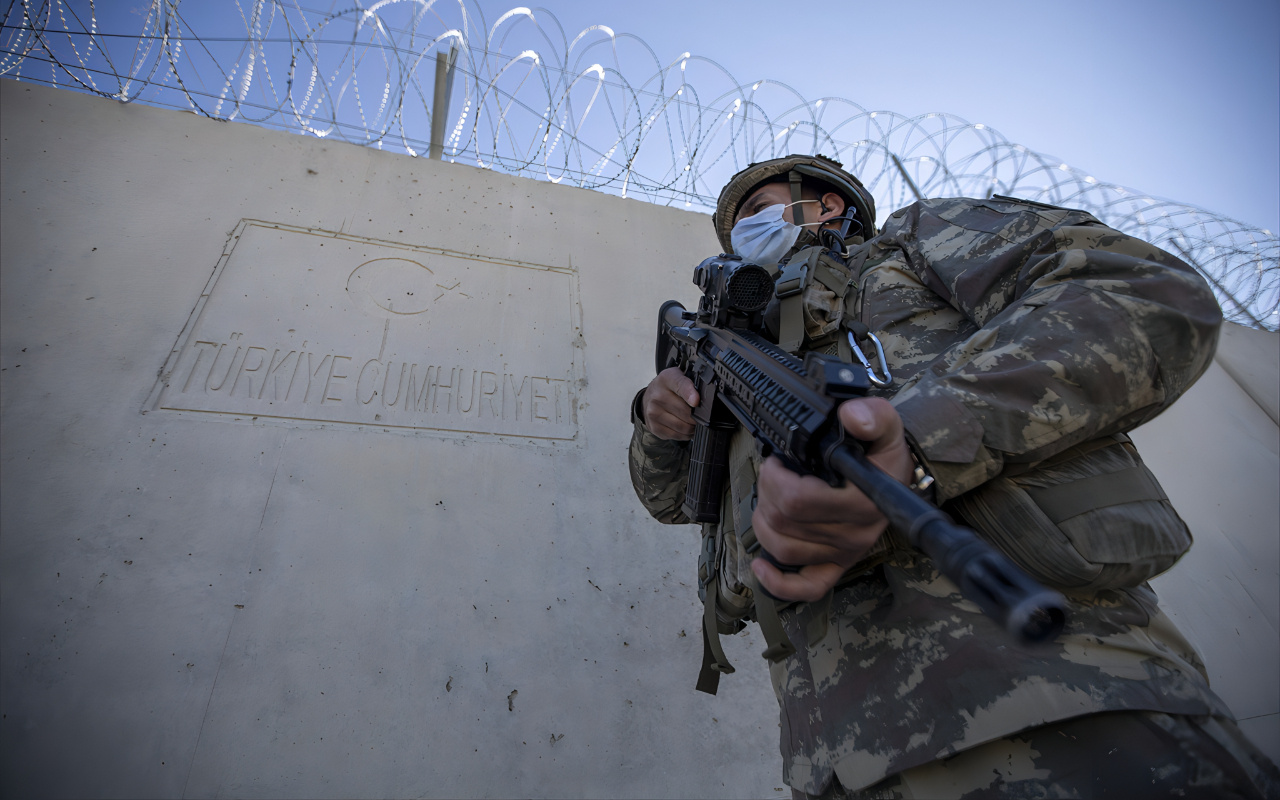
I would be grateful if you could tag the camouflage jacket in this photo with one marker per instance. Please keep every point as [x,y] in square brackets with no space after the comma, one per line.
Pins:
[1016,334]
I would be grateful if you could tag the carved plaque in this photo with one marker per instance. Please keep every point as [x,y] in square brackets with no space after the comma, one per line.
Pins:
[320,327]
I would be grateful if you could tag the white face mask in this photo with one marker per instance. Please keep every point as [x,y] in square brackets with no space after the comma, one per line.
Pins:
[765,237]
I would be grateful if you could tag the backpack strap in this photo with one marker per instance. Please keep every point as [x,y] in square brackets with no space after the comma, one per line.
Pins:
[789,289]
[820,612]
[714,661]
[777,645]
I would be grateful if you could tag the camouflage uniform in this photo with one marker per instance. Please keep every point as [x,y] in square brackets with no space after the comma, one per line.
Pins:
[1022,338]
[1122,755]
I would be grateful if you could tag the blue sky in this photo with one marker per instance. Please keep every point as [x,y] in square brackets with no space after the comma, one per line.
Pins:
[1174,98]
[1177,99]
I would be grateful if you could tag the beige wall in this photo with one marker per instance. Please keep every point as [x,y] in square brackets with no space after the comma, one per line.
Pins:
[231,564]
[266,589]
[1215,453]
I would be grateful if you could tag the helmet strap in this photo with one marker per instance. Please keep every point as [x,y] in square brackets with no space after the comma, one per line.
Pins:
[797,205]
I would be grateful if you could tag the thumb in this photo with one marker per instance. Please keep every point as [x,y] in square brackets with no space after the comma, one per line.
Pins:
[872,420]
[685,388]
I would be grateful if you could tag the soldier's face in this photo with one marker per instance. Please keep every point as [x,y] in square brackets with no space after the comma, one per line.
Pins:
[770,194]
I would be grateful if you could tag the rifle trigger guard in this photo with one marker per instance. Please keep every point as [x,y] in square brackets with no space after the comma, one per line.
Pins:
[871,373]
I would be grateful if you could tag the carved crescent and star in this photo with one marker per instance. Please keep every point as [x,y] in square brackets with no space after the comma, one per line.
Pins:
[399,286]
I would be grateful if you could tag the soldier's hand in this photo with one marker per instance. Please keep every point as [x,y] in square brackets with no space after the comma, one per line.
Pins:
[804,522]
[668,405]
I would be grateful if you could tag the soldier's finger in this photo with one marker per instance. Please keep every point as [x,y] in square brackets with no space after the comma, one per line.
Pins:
[814,543]
[788,499]
[679,384]
[809,584]
[668,426]
[668,405]
[798,552]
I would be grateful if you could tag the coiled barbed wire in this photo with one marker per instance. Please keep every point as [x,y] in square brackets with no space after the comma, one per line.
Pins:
[599,110]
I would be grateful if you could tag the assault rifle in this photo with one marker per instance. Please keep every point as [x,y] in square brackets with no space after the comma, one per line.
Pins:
[790,407]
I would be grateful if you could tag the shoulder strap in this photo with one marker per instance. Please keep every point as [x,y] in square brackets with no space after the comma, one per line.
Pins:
[789,289]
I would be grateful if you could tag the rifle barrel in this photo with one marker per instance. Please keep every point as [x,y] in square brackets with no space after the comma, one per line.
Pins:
[1023,607]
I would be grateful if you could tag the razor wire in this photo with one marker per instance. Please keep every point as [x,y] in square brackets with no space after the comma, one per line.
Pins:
[599,110]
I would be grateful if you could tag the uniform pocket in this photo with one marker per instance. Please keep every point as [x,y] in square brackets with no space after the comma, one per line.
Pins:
[1087,520]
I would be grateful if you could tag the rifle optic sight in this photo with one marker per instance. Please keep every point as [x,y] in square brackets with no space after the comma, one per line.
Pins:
[734,293]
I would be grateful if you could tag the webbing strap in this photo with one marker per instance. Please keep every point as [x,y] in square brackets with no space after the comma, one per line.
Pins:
[742,519]
[1098,491]
[797,207]
[714,661]
[778,646]
[793,277]
[742,485]
[816,630]
[708,675]
[808,265]
[823,273]
[791,323]
[790,293]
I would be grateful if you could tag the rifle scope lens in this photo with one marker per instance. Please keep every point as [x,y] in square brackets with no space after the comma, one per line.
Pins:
[748,288]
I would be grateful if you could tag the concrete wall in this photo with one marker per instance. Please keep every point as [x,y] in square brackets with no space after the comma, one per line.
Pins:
[232,563]
[1217,455]
[275,582]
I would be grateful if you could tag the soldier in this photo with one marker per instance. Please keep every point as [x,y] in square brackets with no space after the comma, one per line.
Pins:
[1022,341]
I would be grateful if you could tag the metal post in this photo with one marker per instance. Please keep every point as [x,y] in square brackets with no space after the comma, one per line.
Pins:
[910,183]
[440,104]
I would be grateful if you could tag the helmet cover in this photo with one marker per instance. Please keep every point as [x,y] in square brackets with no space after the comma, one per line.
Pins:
[742,185]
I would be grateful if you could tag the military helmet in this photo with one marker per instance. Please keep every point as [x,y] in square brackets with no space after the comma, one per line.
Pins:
[796,167]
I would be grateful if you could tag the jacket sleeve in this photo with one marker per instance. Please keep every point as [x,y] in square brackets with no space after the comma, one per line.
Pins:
[1069,330]
[659,471]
